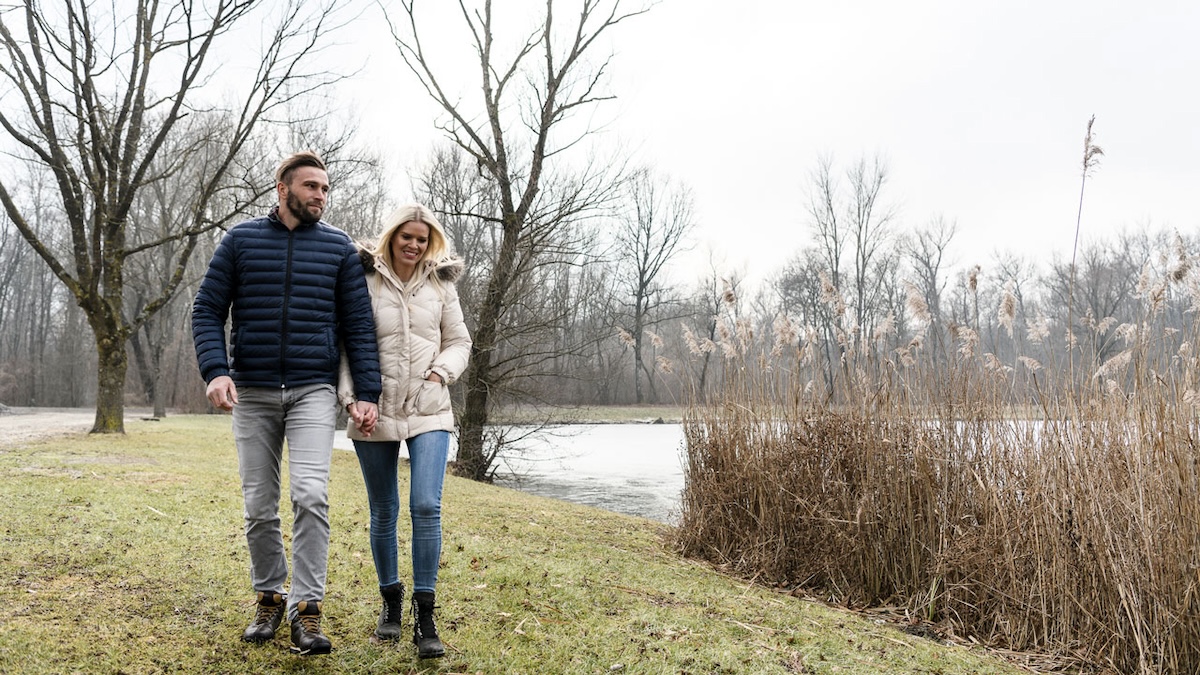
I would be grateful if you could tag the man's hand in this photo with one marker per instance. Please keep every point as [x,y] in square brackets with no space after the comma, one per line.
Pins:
[365,415]
[222,393]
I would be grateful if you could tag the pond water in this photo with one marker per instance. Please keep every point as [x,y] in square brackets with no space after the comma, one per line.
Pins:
[628,468]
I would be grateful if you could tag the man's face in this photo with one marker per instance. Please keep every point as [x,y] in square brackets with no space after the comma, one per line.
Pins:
[305,194]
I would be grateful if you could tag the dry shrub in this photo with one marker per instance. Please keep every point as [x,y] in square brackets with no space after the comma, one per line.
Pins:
[1073,530]
[797,502]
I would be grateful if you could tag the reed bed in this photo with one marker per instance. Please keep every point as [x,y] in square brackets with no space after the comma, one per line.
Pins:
[1049,508]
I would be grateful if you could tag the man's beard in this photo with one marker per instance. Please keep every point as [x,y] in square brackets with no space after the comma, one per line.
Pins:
[303,214]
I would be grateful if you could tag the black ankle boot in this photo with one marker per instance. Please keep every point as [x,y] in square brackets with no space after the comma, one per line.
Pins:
[392,612]
[425,635]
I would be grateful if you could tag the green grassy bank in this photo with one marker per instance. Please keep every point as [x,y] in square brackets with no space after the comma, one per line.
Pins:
[124,554]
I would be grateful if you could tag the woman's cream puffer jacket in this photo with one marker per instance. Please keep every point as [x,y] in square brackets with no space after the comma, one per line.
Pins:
[419,328]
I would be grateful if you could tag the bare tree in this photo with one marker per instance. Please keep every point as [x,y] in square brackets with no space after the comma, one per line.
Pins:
[1097,292]
[798,288]
[515,135]
[156,215]
[357,204]
[97,92]
[651,231]
[23,332]
[826,217]
[870,225]
[716,293]
[452,185]
[38,363]
[925,251]
[804,297]
[1016,275]
[595,316]
[850,220]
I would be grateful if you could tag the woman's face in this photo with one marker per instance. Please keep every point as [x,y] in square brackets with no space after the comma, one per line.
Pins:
[408,247]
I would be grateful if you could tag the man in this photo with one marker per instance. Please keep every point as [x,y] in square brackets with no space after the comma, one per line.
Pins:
[296,290]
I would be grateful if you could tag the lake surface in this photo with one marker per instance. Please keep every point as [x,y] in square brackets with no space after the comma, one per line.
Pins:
[628,468]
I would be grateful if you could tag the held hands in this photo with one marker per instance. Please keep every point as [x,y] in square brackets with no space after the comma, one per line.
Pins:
[222,393]
[364,415]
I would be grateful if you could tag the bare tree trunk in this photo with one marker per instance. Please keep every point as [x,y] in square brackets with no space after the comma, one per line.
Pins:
[652,227]
[532,217]
[110,391]
[145,369]
[638,340]
[474,460]
[147,355]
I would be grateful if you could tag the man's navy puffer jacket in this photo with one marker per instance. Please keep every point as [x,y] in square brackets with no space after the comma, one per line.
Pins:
[294,295]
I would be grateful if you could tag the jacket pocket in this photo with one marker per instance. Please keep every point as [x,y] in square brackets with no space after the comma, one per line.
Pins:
[333,355]
[431,398]
[235,343]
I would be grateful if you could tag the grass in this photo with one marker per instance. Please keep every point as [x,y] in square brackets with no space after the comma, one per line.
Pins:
[125,554]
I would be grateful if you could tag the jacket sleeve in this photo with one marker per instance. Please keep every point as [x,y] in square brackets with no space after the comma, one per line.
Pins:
[455,350]
[357,325]
[210,311]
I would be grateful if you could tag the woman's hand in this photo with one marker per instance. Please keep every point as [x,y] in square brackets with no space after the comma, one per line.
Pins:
[434,377]
[364,415]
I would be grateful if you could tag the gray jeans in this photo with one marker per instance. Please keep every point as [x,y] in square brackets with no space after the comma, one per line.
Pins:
[262,419]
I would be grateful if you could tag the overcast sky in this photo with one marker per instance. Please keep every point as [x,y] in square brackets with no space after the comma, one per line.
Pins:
[978,108]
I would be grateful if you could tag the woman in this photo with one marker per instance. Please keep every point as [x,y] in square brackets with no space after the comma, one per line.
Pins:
[423,348]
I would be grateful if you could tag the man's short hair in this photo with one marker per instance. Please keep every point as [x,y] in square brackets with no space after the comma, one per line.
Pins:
[304,158]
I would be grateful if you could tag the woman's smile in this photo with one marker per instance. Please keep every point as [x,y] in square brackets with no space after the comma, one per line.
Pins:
[409,243]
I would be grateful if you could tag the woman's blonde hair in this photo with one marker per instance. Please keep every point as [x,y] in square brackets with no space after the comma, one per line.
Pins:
[439,247]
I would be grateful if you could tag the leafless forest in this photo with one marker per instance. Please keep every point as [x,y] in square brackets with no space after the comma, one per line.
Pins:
[122,171]
[123,166]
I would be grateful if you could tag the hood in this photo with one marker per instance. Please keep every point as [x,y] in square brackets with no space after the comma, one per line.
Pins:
[449,269]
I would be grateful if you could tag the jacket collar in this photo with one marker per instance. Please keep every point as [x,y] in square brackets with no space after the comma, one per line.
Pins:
[274,219]
[418,278]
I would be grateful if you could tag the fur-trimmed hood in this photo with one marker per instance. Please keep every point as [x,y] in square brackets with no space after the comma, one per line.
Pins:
[448,270]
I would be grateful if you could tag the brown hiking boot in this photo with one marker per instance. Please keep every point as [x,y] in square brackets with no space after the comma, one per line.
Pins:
[267,615]
[306,630]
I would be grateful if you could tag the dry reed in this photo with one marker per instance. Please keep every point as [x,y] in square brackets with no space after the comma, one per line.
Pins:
[1004,501]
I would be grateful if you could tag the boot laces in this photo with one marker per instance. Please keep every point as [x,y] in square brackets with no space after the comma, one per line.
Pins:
[424,623]
[265,613]
[309,623]
[393,610]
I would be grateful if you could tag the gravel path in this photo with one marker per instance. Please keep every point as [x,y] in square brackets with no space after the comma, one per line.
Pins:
[22,425]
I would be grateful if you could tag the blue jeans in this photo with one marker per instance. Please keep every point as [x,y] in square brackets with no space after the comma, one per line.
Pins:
[427,454]
[263,419]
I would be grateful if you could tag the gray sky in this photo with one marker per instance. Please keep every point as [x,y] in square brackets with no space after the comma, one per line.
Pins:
[978,108]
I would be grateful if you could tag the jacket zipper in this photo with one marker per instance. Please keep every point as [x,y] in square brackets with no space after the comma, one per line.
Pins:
[287,300]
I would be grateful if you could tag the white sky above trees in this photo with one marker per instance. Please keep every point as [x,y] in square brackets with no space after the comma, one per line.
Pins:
[978,108]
